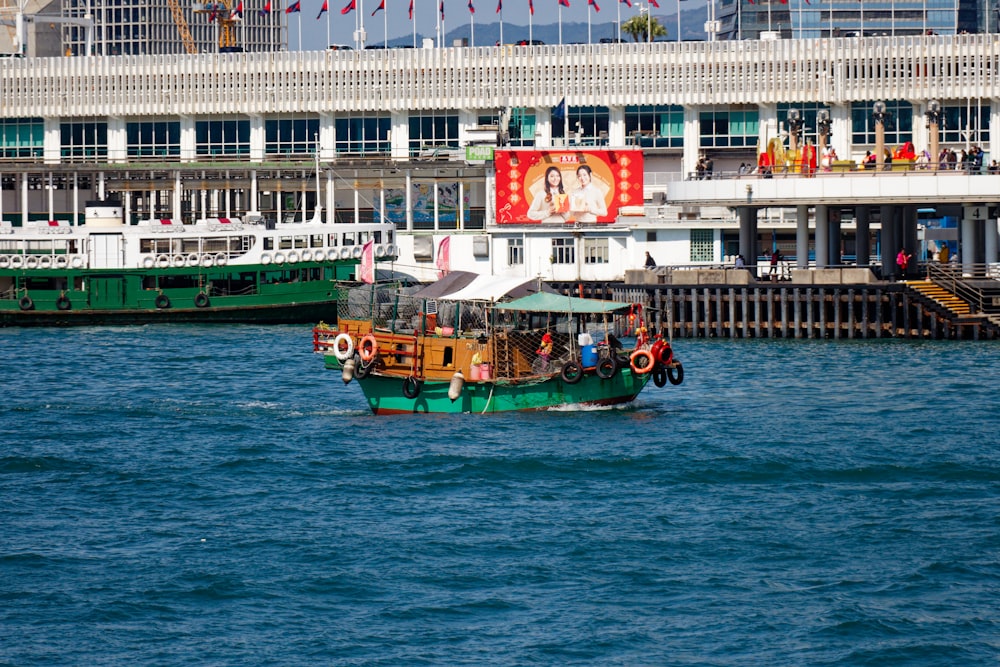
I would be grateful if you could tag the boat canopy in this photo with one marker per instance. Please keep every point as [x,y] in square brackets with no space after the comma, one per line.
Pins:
[544,302]
[467,286]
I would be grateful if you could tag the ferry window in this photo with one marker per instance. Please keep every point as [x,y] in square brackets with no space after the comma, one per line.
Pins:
[563,251]
[301,241]
[285,243]
[595,251]
[333,241]
[702,245]
[268,243]
[316,241]
[515,252]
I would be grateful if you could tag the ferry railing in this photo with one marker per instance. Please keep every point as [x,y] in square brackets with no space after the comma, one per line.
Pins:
[976,284]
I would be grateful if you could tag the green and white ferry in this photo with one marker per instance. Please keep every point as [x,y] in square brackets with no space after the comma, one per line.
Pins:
[215,270]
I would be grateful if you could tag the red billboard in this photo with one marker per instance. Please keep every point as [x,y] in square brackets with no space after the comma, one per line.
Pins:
[553,186]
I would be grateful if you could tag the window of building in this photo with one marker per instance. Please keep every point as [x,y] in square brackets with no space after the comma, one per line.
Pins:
[563,251]
[222,137]
[153,139]
[728,128]
[85,139]
[702,245]
[587,125]
[22,137]
[898,123]
[515,252]
[291,136]
[655,126]
[809,129]
[595,251]
[521,128]
[957,120]
[430,133]
[363,135]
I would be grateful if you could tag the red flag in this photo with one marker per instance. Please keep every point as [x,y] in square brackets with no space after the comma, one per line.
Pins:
[594,4]
[411,10]
[294,7]
[564,3]
[324,8]
[654,3]
[499,6]
[366,271]
[628,3]
[238,12]
[472,10]
[444,257]
[442,11]
[381,5]
[351,6]
[267,8]
[531,7]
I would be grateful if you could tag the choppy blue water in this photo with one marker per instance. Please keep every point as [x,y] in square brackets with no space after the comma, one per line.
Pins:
[210,495]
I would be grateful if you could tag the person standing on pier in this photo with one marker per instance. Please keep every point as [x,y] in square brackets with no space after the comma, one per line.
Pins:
[903,261]
[775,258]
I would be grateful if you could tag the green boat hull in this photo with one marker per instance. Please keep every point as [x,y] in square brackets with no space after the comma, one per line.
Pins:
[385,394]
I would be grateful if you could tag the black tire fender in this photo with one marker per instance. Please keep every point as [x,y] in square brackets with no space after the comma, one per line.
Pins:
[411,387]
[606,368]
[572,372]
[675,373]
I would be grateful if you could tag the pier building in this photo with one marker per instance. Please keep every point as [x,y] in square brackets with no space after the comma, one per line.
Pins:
[411,136]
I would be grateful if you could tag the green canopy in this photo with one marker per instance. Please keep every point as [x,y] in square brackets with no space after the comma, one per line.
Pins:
[543,302]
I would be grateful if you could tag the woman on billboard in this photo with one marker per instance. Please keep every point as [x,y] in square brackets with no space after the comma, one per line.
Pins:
[586,203]
[552,203]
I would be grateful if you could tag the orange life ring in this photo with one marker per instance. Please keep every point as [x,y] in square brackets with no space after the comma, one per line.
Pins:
[644,368]
[368,348]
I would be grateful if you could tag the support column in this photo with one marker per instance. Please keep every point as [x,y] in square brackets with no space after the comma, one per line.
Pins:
[834,227]
[861,243]
[990,242]
[748,233]
[908,215]
[822,236]
[967,245]
[802,237]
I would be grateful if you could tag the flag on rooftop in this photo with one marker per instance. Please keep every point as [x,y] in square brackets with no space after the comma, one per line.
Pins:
[351,6]
[325,8]
[593,3]
[381,6]
[294,7]
[559,111]
[267,8]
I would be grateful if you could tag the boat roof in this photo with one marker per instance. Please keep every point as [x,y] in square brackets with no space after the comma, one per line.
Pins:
[545,302]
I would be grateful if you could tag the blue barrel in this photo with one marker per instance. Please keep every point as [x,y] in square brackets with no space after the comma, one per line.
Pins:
[588,355]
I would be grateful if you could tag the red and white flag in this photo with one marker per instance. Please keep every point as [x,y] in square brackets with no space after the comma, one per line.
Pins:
[366,270]
[444,257]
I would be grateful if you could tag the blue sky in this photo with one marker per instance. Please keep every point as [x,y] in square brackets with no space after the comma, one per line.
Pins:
[484,31]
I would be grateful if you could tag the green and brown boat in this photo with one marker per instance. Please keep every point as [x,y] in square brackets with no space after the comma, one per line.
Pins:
[216,270]
[484,344]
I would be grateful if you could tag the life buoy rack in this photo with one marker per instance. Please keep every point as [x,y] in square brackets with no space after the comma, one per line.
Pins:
[16,262]
[411,387]
[45,262]
[265,259]
[193,259]
[345,253]
[162,301]
[207,261]
[279,258]
[178,260]
[25,303]
[640,367]
[293,257]
[368,348]
[307,255]
[201,300]
[31,262]
[572,372]
[77,262]
[332,254]
[391,250]
[63,302]
[343,354]
[380,251]
[163,261]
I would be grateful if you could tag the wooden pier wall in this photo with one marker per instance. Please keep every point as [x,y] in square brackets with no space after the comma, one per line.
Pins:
[791,311]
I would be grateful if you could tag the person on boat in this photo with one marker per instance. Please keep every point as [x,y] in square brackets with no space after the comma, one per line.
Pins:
[587,203]
[552,203]
[545,347]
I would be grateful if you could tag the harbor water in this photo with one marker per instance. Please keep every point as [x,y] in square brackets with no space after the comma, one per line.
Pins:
[210,495]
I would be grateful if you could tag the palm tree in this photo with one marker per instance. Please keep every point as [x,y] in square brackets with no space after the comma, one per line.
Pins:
[641,28]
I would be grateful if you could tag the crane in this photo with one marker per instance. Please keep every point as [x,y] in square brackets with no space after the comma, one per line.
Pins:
[182,27]
[220,12]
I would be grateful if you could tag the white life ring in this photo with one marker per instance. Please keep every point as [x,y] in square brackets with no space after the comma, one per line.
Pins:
[16,261]
[343,355]
[221,259]
[178,260]
[332,254]
[307,255]
[148,262]
[207,261]
[77,262]
[31,262]
[163,261]
[356,252]
[391,250]
[4,261]
[45,261]
[265,259]
[293,257]
[192,259]
[345,253]
[380,250]
[279,258]
[62,261]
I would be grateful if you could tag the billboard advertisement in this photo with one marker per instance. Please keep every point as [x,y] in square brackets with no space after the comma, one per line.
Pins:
[571,186]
